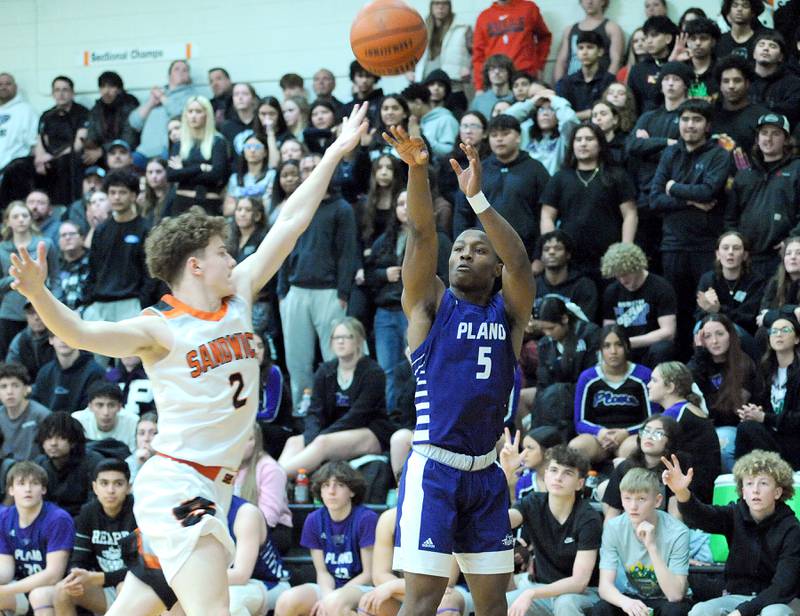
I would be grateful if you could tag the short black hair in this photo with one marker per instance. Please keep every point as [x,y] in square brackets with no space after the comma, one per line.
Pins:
[121,177]
[756,6]
[416,91]
[355,67]
[341,471]
[110,78]
[504,122]
[697,105]
[12,370]
[105,389]
[560,236]
[62,425]
[592,38]
[775,37]
[733,61]
[291,80]
[522,75]
[702,25]
[63,78]
[220,69]
[112,464]
[661,24]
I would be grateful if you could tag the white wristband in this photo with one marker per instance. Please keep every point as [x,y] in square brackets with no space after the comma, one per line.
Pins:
[479,203]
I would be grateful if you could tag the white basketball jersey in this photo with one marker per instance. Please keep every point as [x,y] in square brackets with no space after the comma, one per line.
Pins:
[206,389]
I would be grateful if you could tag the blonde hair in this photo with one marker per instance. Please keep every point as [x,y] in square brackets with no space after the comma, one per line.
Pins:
[249,490]
[621,259]
[677,374]
[640,481]
[760,462]
[206,143]
[352,325]
[7,233]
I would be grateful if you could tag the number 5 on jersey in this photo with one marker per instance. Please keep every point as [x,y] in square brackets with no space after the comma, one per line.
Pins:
[484,363]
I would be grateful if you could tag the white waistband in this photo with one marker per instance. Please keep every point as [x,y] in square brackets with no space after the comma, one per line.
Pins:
[461,461]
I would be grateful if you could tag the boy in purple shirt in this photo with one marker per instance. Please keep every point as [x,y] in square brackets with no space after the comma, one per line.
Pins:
[36,538]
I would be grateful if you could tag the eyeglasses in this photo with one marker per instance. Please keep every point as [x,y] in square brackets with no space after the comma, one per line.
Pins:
[474,126]
[253,146]
[68,234]
[342,338]
[656,435]
[786,329]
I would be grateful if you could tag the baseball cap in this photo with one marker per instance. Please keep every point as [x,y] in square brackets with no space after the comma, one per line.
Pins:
[774,119]
[118,143]
[94,170]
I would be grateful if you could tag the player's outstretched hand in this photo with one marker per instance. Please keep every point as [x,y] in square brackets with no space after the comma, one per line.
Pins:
[29,274]
[469,179]
[411,150]
[352,129]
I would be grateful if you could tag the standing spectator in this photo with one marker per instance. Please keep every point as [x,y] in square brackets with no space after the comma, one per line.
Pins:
[689,191]
[449,50]
[511,180]
[699,38]
[439,126]
[62,131]
[611,35]
[589,192]
[36,539]
[655,8]
[222,90]
[19,231]
[104,416]
[116,292]
[151,118]
[323,84]
[764,203]
[584,86]
[608,118]
[198,163]
[288,179]
[621,97]
[245,101]
[73,270]
[364,90]
[46,216]
[774,85]
[496,74]
[635,53]
[296,114]
[108,118]
[146,430]
[19,416]
[660,35]
[63,383]
[514,28]
[742,17]
[255,170]
[291,84]
[31,347]
[17,142]
[319,134]
[642,303]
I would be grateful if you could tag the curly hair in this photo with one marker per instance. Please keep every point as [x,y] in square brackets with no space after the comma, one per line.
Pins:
[177,238]
[760,462]
[623,258]
[344,473]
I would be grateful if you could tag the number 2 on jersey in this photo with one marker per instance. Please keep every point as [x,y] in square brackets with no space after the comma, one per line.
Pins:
[237,381]
[484,362]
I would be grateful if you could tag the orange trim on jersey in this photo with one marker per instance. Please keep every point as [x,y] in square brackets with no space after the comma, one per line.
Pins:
[181,308]
[150,560]
[209,472]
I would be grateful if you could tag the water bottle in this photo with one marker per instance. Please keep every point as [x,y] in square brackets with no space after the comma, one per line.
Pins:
[301,488]
[305,402]
[590,484]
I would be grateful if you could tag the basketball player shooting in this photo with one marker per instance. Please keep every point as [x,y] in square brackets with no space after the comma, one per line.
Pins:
[465,341]
[196,349]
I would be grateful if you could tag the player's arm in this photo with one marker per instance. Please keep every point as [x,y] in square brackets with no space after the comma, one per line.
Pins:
[6,568]
[253,273]
[55,567]
[514,517]
[250,529]
[324,578]
[519,287]
[141,336]
[365,577]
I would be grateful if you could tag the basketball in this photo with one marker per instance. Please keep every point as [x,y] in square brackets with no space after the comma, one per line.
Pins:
[388,37]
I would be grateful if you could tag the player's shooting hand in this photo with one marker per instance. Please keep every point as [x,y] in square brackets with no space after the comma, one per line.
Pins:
[469,179]
[353,128]
[411,150]
[29,274]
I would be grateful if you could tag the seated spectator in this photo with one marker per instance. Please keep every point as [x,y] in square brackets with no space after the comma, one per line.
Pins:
[31,347]
[104,416]
[611,400]
[392,111]
[219,80]
[586,191]
[248,229]
[496,75]
[763,200]
[36,539]
[726,377]
[69,465]
[129,375]
[319,134]
[323,84]
[152,201]
[547,123]
[561,280]
[275,411]
[19,417]
[772,420]
[658,437]
[438,124]
[525,470]
[262,481]
[731,289]
[73,266]
[150,119]
[439,85]
[198,163]
[584,85]
[18,231]
[92,181]
[293,149]
[146,429]
[108,118]
[783,288]
[18,143]
[119,156]
[63,383]
[646,552]
[763,535]
[296,114]
[46,216]
[564,533]
[96,567]
[774,85]
[609,119]
[742,17]
[660,34]
[245,101]
[340,536]
[670,387]
[640,302]
[520,85]
[347,417]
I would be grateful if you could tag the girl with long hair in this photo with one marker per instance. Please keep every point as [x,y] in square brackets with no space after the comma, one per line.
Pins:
[153,199]
[254,171]
[237,127]
[247,229]
[393,111]
[622,98]
[269,120]
[199,162]
[634,54]
[525,470]
[783,288]
[295,111]
[609,119]
[288,179]
[471,131]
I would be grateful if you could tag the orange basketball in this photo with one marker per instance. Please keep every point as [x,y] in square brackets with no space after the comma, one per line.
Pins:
[388,37]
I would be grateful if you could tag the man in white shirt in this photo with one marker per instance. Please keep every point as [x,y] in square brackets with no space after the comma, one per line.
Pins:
[19,125]
[104,417]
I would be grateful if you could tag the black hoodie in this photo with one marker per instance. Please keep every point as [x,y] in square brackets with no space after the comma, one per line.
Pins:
[780,92]
[66,389]
[764,558]
[644,153]
[577,289]
[109,122]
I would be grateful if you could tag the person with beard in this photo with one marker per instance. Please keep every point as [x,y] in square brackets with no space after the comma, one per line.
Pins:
[742,17]
[17,141]
[559,279]
[222,88]
[108,118]
[643,79]
[773,85]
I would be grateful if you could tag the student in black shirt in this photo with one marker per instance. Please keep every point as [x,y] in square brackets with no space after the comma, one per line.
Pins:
[96,567]
[245,101]
[589,193]
[660,35]
[608,117]
[742,17]
[559,279]
[701,36]
[587,84]
[564,533]
[774,85]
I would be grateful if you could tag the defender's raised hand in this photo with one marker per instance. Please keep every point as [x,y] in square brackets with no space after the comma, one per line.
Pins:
[411,150]
[469,179]
[29,273]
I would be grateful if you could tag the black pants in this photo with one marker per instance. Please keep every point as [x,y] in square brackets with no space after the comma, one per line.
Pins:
[683,270]
[751,435]
[17,180]
[9,329]
[654,354]
[182,203]
[661,607]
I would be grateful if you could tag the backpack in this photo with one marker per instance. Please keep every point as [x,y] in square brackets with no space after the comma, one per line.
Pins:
[555,406]
[378,476]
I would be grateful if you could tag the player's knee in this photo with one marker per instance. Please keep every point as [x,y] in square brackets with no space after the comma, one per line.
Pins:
[569,605]
[41,597]
[287,603]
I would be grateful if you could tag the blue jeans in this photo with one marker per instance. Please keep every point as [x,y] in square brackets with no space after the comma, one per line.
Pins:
[727,446]
[390,345]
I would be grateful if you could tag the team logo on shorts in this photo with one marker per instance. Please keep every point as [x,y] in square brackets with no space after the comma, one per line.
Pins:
[508,540]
